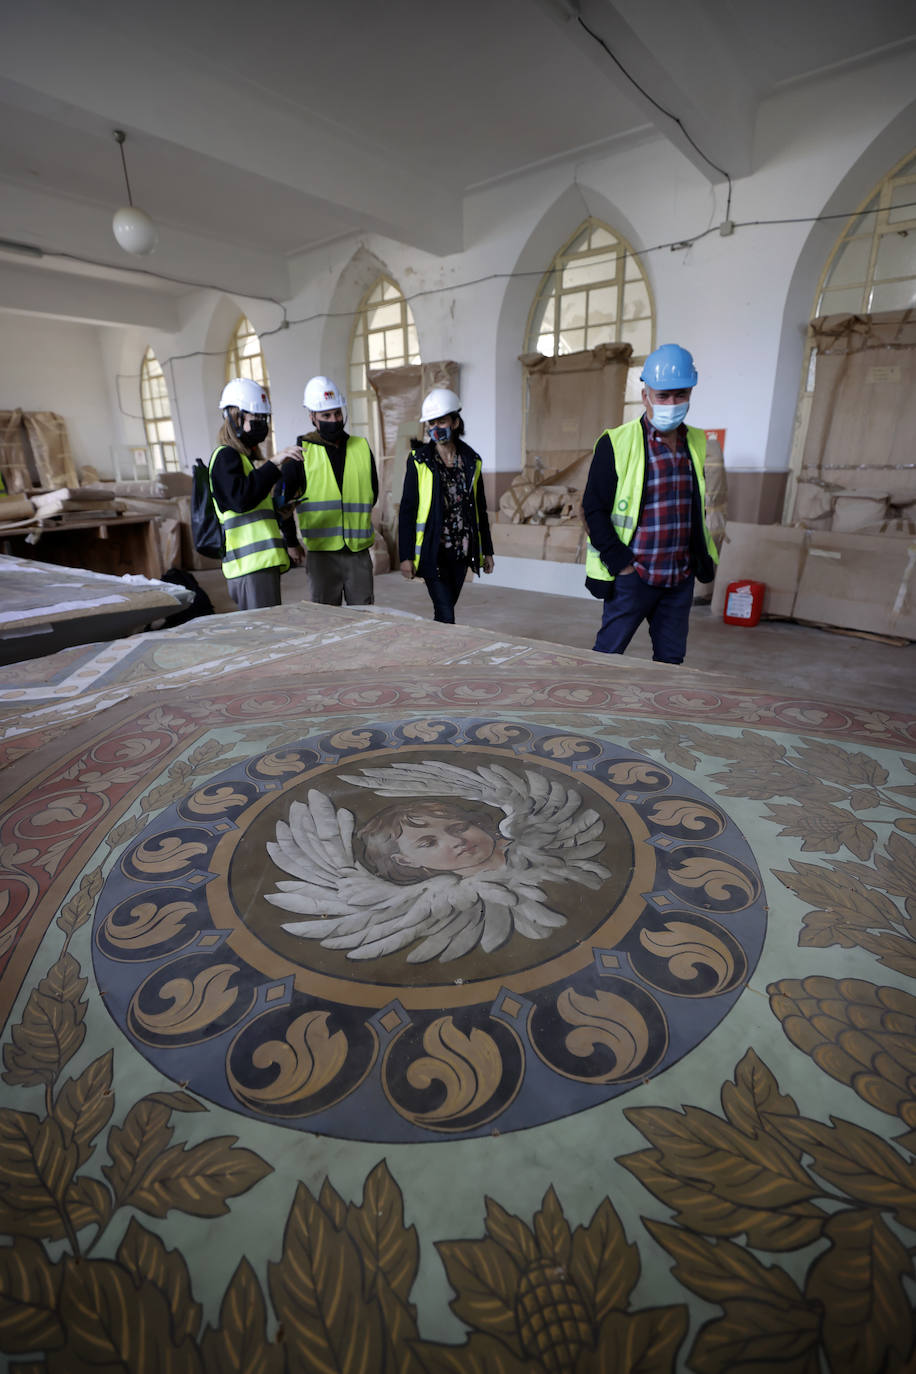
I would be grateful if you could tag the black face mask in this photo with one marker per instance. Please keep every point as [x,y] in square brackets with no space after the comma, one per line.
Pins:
[257,431]
[330,429]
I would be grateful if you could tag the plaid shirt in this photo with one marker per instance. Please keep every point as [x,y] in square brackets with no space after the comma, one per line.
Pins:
[661,542]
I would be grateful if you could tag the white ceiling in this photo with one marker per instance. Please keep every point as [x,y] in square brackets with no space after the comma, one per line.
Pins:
[255,133]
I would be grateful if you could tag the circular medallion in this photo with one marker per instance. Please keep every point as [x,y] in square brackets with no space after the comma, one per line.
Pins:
[428,929]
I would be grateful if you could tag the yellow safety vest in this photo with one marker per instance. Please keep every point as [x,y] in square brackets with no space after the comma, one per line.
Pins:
[253,538]
[628,443]
[332,519]
[425,500]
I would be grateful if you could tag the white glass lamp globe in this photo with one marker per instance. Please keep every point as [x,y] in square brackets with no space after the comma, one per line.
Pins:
[134,230]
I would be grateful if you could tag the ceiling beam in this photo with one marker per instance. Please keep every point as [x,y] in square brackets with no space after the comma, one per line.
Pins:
[678,69]
[83,233]
[28,290]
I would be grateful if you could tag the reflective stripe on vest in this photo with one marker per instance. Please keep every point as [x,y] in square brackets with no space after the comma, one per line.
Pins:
[629,444]
[253,539]
[425,500]
[328,518]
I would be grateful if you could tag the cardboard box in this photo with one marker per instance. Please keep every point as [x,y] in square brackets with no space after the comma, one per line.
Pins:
[862,426]
[566,543]
[573,398]
[860,582]
[519,541]
[772,554]
[570,400]
[400,392]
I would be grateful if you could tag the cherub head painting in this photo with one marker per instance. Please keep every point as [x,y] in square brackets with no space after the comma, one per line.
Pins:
[407,841]
[436,878]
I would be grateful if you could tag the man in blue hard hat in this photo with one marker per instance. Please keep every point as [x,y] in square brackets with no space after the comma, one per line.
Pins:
[645,508]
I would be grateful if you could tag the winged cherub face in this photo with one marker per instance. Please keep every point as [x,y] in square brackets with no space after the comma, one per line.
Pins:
[447,845]
[411,840]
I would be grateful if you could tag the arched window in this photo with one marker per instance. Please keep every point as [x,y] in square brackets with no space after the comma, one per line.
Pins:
[873,264]
[872,268]
[595,292]
[245,358]
[384,335]
[157,415]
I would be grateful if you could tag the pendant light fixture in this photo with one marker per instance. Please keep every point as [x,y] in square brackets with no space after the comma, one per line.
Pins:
[133,228]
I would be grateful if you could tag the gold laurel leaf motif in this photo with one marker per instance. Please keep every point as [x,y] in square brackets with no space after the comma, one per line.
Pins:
[277,764]
[422,729]
[566,746]
[195,1004]
[309,1058]
[208,753]
[158,798]
[150,925]
[213,801]
[627,774]
[165,854]
[352,739]
[686,815]
[9,934]
[608,1020]
[468,1066]
[685,946]
[125,831]
[716,877]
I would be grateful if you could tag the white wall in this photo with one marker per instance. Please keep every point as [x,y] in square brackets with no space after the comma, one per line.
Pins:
[57,365]
[740,303]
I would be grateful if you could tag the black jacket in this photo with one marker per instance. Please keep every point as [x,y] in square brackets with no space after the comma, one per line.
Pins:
[481,545]
[597,505]
[232,489]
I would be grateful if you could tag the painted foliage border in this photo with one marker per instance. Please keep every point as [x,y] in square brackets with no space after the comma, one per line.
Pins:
[758,1178]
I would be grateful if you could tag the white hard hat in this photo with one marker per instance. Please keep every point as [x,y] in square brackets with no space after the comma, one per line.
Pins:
[323,394]
[440,401]
[247,395]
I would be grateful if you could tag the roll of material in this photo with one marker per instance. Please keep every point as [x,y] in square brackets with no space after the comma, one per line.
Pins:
[15,507]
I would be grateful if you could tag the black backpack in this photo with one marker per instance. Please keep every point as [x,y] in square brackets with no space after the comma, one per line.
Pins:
[206,530]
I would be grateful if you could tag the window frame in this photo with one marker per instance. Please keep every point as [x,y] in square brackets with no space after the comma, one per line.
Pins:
[163,451]
[253,365]
[360,334]
[878,207]
[551,287]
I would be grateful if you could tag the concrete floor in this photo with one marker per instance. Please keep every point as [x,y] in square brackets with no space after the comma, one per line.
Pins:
[774,656]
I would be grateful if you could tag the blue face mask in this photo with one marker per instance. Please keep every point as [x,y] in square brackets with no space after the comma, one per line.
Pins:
[440,434]
[667,418]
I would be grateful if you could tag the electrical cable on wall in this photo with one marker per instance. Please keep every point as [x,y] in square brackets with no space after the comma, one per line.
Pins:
[667,113]
[674,245]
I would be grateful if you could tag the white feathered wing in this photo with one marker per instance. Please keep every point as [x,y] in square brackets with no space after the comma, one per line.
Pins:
[356,911]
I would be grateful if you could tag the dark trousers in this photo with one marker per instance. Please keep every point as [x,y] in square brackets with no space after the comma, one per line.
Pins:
[338,574]
[445,588]
[667,609]
[255,591]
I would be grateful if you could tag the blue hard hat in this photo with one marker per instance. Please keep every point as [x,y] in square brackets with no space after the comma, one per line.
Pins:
[669,368]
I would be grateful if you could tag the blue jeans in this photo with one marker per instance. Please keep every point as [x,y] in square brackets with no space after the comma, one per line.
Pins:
[667,609]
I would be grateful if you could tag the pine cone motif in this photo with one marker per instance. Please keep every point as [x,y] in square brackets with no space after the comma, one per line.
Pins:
[553,1320]
[859,1033]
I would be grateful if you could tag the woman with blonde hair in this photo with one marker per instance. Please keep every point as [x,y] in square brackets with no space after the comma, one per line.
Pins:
[255,553]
